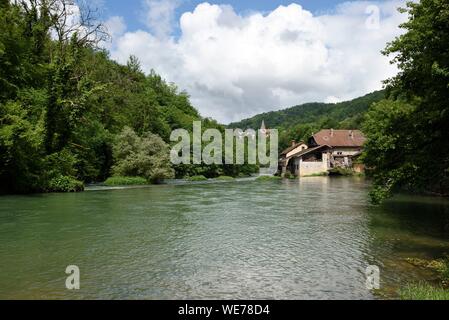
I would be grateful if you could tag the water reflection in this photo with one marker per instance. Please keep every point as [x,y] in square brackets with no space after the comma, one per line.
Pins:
[307,239]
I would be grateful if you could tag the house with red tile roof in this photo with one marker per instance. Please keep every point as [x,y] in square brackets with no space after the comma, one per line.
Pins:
[327,150]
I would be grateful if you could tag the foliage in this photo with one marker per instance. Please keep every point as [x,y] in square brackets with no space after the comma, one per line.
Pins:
[20,150]
[408,146]
[268,178]
[340,172]
[290,176]
[147,156]
[441,266]
[65,184]
[63,103]
[423,291]
[300,122]
[225,178]
[323,174]
[125,181]
[197,179]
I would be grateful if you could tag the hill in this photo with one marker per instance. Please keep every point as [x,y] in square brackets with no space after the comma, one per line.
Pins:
[299,122]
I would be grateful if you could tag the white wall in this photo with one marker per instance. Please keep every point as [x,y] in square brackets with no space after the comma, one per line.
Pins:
[311,168]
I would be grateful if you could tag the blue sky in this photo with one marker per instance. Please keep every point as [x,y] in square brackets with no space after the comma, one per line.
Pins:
[239,58]
[131,10]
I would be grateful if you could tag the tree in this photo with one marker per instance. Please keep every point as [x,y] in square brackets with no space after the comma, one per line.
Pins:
[147,156]
[389,153]
[408,135]
[63,101]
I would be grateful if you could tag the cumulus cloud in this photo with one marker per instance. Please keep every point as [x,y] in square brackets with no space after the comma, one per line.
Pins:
[160,16]
[235,66]
[116,26]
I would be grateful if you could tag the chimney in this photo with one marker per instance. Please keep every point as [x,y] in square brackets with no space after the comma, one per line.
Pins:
[352,134]
[332,132]
[293,142]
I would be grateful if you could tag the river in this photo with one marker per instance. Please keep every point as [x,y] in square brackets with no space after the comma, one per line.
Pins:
[307,239]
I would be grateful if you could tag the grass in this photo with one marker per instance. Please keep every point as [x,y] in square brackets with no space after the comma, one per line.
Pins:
[341,172]
[322,174]
[197,178]
[289,176]
[125,181]
[268,178]
[225,178]
[423,291]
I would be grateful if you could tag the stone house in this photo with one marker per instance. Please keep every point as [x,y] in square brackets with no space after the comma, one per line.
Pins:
[326,150]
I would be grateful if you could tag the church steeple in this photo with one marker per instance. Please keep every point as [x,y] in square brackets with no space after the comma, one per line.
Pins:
[263,129]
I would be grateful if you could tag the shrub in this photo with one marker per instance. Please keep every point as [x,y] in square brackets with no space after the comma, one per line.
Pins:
[225,178]
[290,176]
[147,156]
[125,181]
[65,184]
[197,178]
[322,174]
[342,172]
[268,178]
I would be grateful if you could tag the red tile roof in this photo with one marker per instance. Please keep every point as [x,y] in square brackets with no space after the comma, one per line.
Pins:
[340,138]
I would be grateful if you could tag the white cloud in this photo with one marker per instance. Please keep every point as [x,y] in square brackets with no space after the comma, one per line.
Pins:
[235,66]
[160,16]
[116,26]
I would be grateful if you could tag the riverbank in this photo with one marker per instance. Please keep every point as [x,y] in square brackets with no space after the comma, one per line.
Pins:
[438,289]
[172,182]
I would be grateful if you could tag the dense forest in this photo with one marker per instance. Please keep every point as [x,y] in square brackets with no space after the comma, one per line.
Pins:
[300,122]
[69,115]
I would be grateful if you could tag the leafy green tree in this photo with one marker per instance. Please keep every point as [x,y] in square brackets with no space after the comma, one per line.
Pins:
[63,101]
[20,150]
[147,156]
[391,156]
[408,142]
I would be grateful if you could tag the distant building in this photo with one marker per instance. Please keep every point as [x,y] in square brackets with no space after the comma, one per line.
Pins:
[328,149]
[264,130]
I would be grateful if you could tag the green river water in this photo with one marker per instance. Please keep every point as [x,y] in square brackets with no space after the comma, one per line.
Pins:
[307,239]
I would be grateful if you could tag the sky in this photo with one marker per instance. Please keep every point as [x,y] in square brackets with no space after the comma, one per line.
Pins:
[237,59]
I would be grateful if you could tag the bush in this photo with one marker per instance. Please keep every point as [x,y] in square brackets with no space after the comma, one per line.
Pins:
[290,176]
[197,178]
[342,172]
[125,181]
[147,156]
[322,174]
[268,178]
[225,178]
[65,184]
